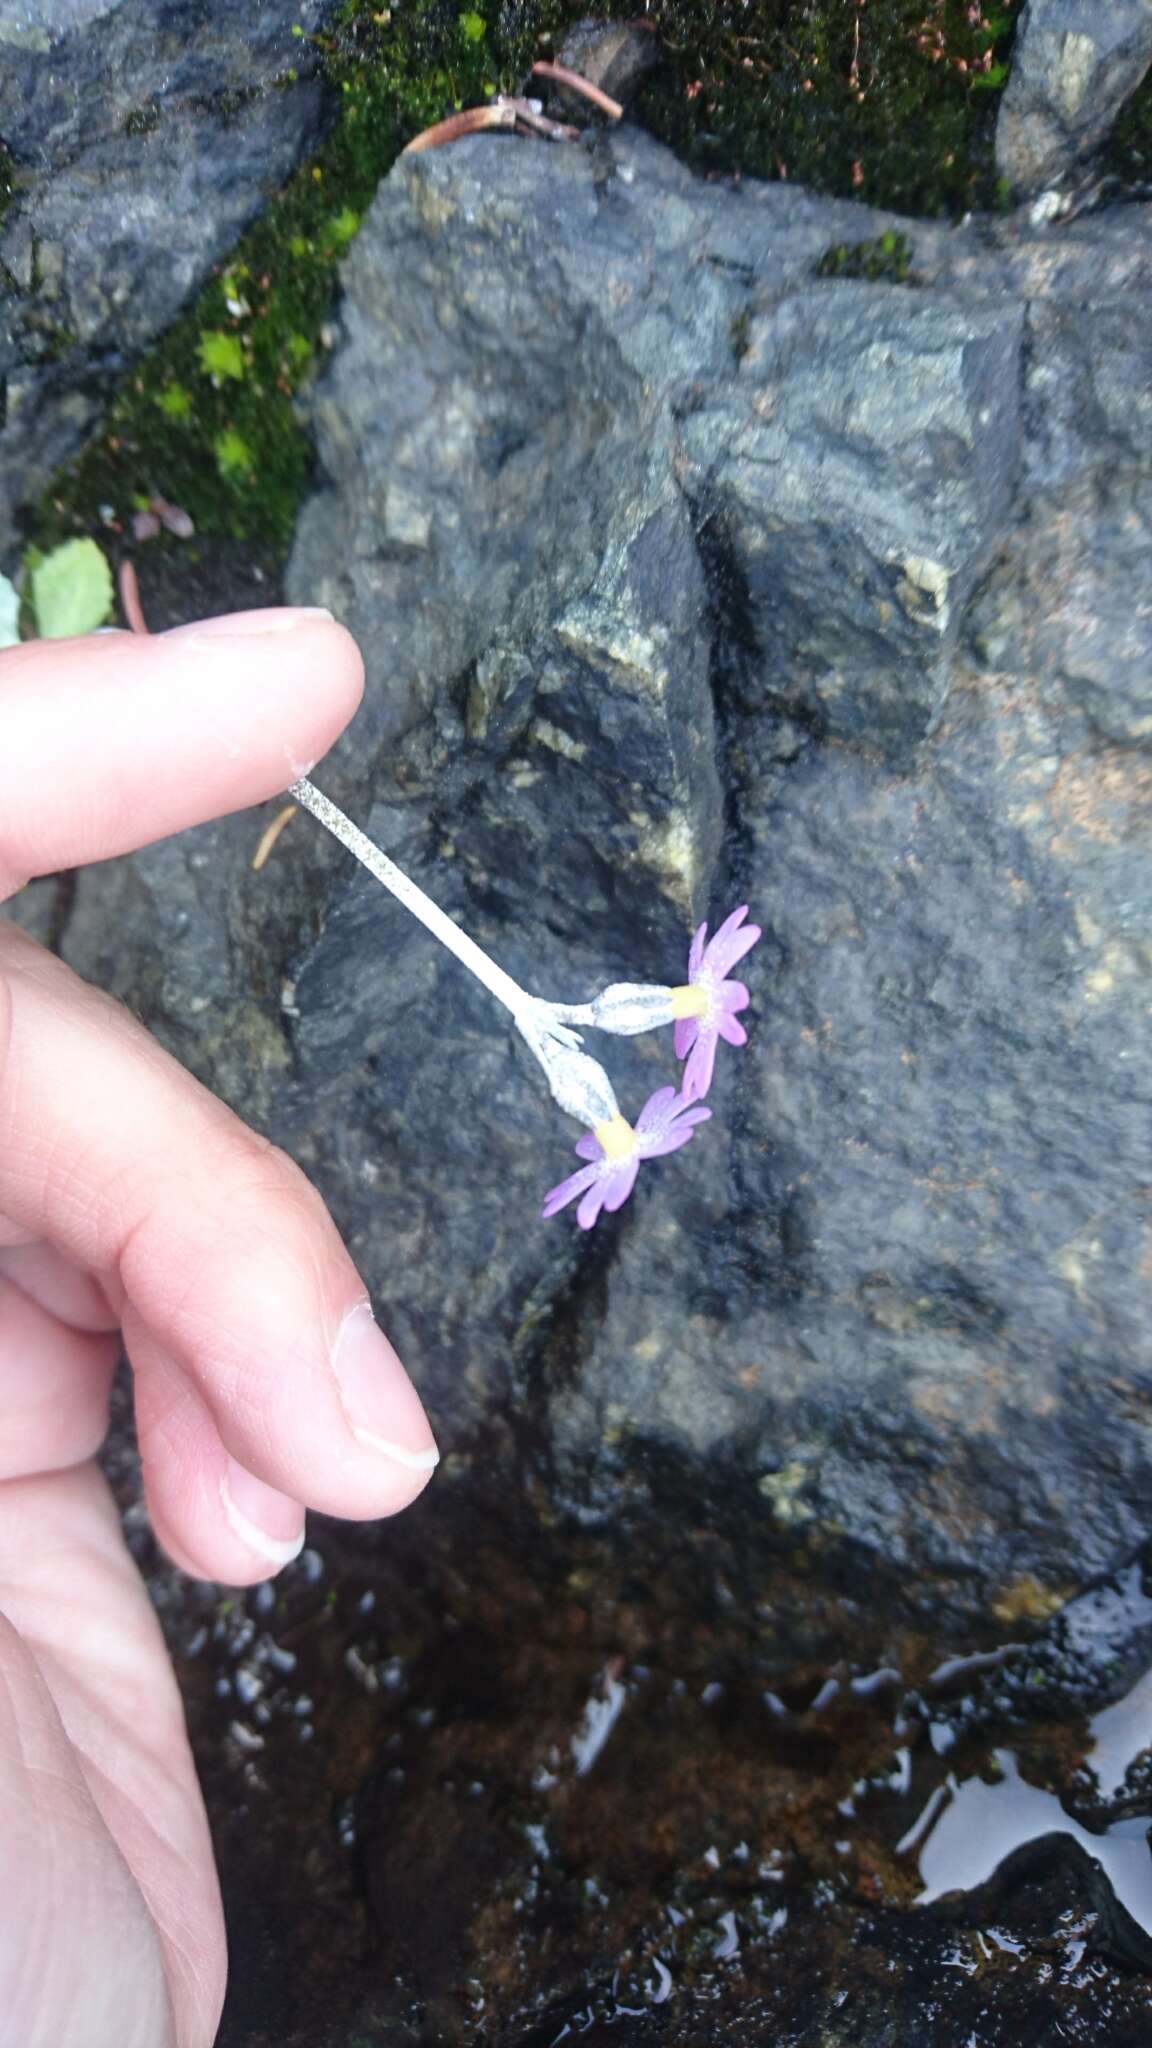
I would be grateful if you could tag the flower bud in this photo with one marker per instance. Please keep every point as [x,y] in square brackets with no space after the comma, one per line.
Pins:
[578,1083]
[628,1007]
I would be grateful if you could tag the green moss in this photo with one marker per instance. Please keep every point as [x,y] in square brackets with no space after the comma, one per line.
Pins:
[234,458]
[892,102]
[175,402]
[208,417]
[142,120]
[220,356]
[887,260]
[888,100]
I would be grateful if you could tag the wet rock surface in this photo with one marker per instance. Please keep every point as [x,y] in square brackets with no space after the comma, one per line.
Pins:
[865,1377]
[145,135]
[514,1800]
[1074,64]
[893,1302]
[614,55]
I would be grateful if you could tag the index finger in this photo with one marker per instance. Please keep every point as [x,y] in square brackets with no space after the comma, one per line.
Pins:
[112,741]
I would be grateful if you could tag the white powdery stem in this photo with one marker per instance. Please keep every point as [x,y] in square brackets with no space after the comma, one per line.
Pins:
[626,1009]
[577,1083]
[435,920]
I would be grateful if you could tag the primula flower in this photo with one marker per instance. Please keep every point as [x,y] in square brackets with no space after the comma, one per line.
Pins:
[705,1007]
[615,1149]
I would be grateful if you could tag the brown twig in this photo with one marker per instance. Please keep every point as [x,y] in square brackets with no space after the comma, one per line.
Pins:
[530,115]
[561,75]
[467,123]
[130,603]
[270,835]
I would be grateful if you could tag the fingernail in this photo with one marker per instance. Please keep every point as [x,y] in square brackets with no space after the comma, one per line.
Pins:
[250,625]
[267,1521]
[377,1396]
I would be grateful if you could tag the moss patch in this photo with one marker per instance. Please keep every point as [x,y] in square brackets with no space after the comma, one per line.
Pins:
[208,417]
[892,101]
[887,260]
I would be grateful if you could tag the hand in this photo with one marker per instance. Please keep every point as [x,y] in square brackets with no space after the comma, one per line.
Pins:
[131,1200]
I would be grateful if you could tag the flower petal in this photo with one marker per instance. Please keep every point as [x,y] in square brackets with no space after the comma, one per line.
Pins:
[656,1111]
[591,1206]
[589,1147]
[729,946]
[682,1130]
[684,1035]
[733,995]
[695,1113]
[731,1029]
[567,1190]
[696,951]
[619,1185]
[731,923]
[697,1077]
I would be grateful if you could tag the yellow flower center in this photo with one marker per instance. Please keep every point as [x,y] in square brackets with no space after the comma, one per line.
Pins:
[617,1138]
[691,1000]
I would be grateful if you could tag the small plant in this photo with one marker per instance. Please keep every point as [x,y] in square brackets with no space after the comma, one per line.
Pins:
[344,226]
[233,455]
[69,591]
[887,260]
[221,356]
[174,402]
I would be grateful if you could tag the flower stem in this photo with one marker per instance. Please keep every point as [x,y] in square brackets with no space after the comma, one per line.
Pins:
[435,920]
[577,1083]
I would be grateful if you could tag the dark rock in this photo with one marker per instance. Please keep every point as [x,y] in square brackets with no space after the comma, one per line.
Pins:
[1074,64]
[618,497]
[76,72]
[859,468]
[856,448]
[615,55]
[146,135]
[910,1287]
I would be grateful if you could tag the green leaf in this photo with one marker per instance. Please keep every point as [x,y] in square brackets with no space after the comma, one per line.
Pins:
[175,401]
[220,355]
[71,590]
[233,455]
[9,614]
[299,347]
[472,27]
[988,81]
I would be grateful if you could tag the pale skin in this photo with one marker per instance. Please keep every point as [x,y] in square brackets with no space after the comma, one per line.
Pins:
[136,1209]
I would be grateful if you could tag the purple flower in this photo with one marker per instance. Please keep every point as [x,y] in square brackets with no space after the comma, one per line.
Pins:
[615,1149]
[706,1006]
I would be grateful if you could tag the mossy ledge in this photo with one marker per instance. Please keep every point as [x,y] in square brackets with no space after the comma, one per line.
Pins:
[878,102]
